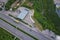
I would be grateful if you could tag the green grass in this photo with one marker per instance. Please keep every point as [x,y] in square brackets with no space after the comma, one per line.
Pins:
[37,24]
[4,35]
[45,14]
[8,4]
[25,5]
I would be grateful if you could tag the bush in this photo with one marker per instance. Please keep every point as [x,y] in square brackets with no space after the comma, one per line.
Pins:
[46,15]
[8,4]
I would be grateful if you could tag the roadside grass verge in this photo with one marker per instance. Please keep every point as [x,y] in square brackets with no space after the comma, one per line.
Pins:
[4,35]
[8,4]
[45,14]
[37,24]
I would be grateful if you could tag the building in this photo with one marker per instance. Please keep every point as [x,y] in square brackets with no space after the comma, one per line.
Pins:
[26,15]
[50,14]
[22,13]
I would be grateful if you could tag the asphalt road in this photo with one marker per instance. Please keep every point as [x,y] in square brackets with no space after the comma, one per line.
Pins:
[5,1]
[56,1]
[38,35]
[14,31]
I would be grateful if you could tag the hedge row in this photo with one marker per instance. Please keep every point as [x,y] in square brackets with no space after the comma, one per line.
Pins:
[45,13]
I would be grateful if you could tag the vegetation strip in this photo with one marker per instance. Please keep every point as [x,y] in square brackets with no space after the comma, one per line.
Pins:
[45,14]
[4,35]
[8,4]
[19,29]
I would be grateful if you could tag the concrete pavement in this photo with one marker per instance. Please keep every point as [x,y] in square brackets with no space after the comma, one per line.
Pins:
[14,31]
[26,29]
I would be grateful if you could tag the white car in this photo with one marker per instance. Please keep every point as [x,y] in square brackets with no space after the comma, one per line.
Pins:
[17,21]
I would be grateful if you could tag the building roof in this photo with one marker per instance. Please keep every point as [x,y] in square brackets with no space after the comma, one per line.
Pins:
[23,13]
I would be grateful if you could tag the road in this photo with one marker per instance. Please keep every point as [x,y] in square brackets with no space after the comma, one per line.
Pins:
[56,1]
[14,31]
[38,35]
[5,1]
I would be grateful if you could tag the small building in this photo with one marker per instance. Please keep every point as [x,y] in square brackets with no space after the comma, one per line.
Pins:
[22,13]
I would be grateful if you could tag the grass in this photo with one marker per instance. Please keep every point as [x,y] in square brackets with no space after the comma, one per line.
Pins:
[8,4]
[19,29]
[37,24]
[45,14]
[4,35]
[27,5]
[14,9]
